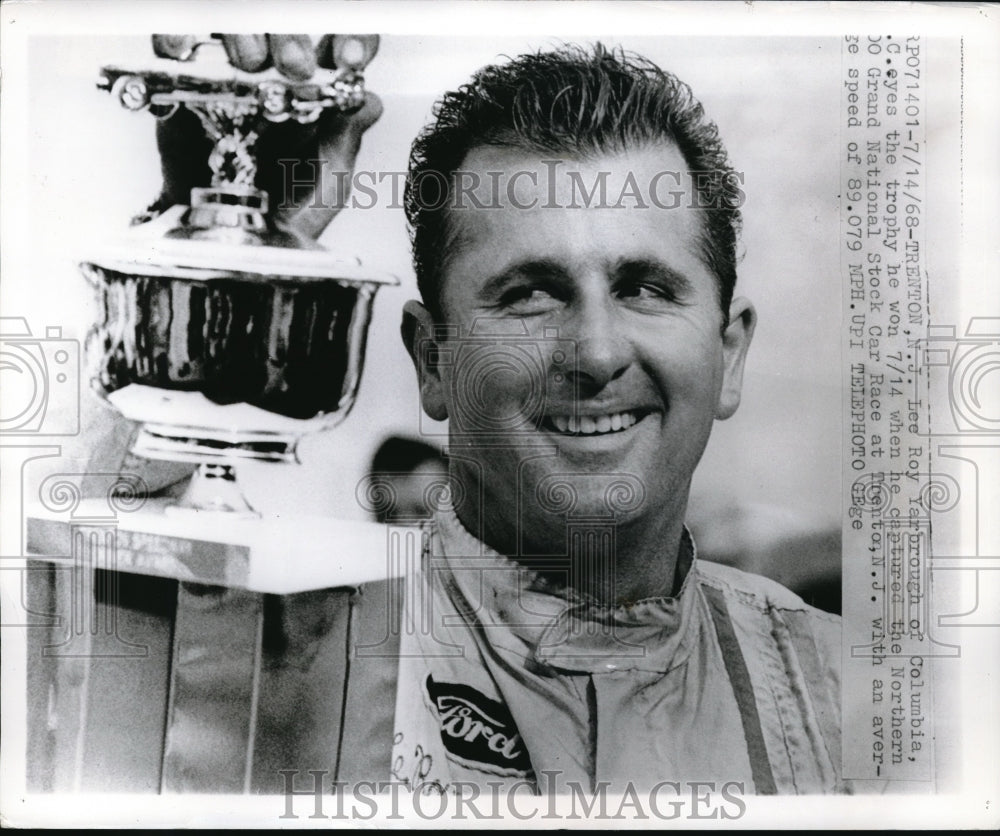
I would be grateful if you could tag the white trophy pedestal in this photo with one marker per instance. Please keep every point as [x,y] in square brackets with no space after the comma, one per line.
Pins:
[275,554]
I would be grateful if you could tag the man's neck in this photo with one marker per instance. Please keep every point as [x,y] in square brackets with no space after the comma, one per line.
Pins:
[613,563]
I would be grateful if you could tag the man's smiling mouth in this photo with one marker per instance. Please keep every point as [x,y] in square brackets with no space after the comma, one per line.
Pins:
[592,424]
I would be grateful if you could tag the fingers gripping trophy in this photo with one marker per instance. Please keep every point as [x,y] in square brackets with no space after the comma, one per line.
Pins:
[225,330]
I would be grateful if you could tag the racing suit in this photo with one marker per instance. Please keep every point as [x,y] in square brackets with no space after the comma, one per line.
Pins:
[500,680]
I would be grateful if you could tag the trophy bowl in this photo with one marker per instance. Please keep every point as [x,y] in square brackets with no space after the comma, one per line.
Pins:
[226,336]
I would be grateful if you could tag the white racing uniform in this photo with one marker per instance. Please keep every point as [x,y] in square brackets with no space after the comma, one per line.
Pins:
[734,680]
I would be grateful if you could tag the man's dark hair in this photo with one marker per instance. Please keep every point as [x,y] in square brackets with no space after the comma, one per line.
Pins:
[576,103]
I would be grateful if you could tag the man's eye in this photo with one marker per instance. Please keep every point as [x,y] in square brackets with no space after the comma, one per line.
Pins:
[527,298]
[645,292]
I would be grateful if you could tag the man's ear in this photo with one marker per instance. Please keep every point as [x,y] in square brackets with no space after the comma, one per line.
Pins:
[417,330]
[735,343]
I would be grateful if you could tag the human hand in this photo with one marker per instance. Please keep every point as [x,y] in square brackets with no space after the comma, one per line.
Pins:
[324,147]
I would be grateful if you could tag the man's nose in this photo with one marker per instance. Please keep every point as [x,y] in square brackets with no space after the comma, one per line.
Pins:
[602,347]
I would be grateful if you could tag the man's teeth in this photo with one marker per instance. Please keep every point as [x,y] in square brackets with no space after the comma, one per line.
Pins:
[589,425]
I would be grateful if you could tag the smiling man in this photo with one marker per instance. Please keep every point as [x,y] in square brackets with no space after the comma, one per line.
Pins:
[574,222]
[579,331]
[650,359]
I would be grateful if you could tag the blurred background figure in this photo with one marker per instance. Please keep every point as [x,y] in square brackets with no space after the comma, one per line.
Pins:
[404,480]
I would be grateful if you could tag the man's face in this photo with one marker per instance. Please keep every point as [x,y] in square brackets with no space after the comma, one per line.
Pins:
[624,296]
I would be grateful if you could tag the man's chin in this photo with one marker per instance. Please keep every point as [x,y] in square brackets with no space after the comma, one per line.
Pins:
[566,498]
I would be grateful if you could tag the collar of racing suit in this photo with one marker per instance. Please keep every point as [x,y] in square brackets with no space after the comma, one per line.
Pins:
[559,628]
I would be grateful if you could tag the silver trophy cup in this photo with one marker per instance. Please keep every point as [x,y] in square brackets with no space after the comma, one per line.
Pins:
[224,334]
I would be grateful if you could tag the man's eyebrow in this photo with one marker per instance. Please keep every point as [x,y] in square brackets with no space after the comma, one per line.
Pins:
[634,269]
[538,269]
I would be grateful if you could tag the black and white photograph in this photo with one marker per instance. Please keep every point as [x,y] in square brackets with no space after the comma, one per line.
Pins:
[502,414]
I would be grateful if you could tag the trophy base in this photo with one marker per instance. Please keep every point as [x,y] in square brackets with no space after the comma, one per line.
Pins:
[187,427]
[200,445]
[214,487]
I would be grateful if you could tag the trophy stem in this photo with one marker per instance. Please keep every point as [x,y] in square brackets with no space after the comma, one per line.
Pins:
[214,487]
[232,128]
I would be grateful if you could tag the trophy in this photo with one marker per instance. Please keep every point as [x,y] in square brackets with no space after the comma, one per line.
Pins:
[196,645]
[224,334]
